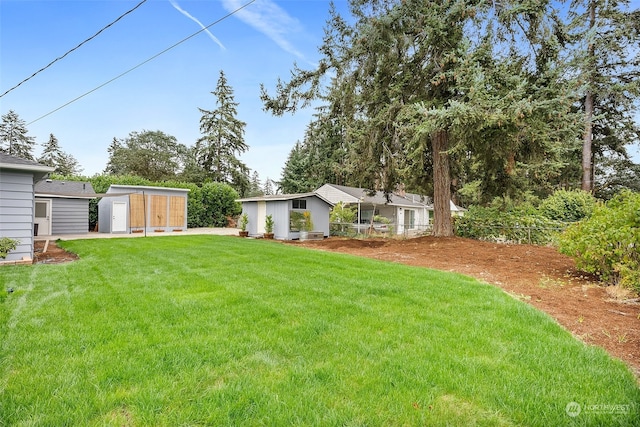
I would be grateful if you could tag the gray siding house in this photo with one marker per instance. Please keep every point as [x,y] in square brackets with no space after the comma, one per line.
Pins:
[17,181]
[282,207]
[62,207]
[135,209]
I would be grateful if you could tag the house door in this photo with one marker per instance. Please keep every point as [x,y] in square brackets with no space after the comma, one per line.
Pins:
[118,217]
[42,217]
[262,217]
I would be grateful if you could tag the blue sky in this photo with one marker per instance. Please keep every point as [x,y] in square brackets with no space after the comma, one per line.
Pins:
[257,45]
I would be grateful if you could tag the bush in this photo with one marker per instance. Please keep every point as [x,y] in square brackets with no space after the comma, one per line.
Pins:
[608,243]
[7,245]
[518,225]
[568,206]
[218,202]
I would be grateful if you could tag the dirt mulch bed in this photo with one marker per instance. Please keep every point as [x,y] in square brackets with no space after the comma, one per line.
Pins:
[53,254]
[540,276]
[605,316]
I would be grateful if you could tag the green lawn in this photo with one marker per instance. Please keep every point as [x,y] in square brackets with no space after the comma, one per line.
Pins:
[211,330]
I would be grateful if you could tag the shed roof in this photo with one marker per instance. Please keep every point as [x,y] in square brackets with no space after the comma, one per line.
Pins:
[68,189]
[133,188]
[283,197]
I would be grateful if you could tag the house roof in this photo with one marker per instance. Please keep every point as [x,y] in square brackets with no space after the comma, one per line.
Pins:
[283,197]
[7,161]
[68,189]
[363,195]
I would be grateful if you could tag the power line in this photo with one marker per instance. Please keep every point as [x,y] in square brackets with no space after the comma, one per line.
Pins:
[75,48]
[144,62]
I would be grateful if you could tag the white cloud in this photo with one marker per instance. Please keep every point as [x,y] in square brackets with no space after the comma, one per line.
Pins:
[188,15]
[270,19]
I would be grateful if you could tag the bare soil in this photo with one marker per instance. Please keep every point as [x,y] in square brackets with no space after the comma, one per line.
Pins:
[605,316]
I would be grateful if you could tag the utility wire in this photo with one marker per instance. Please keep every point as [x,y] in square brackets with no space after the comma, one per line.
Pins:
[71,50]
[144,62]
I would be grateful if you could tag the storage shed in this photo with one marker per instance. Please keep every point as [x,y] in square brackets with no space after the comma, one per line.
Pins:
[62,207]
[17,179]
[137,209]
[284,208]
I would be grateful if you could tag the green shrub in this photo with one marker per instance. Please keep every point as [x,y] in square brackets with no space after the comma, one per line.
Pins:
[568,205]
[7,245]
[218,202]
[519,225]
[608,243]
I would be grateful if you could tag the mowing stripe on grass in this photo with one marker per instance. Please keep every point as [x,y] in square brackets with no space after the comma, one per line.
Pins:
[211,330]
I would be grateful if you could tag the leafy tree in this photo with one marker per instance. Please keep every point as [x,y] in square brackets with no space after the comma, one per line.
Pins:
[13,137]
[223,140]
[605,36]
[52,155]
[153,155]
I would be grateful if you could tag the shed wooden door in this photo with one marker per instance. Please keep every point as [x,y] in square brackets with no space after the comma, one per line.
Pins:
[176,211]
[158,211]
[137,211]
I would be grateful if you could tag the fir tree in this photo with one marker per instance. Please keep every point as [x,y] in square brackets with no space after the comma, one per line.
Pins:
[223,140]
[13,137]
[605,40]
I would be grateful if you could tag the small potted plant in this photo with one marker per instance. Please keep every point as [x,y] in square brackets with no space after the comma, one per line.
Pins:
[268,227]
[244,220]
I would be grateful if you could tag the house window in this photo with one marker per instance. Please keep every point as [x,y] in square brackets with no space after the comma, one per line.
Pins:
[409,218]
[299,204]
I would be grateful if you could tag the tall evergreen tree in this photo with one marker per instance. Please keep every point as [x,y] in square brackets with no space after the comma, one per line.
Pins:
[295,172]
[52,155]
[605,37]
[13,137]
[412,86]
[223,140]
[51,152]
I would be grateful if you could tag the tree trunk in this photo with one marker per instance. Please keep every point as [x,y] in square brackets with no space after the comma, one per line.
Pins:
[587,173]
[442,226]
[587,141]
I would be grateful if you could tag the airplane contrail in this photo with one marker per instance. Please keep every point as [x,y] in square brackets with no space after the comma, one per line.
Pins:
[188,15]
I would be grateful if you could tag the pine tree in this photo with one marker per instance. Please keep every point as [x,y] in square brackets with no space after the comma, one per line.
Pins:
[223,140]
[52,155]
[296,172]
[13,137]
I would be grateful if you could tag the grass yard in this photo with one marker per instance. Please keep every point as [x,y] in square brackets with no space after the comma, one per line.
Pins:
[211,330]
